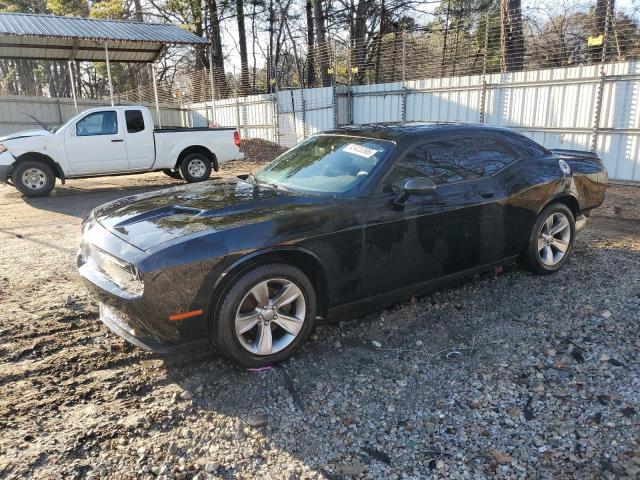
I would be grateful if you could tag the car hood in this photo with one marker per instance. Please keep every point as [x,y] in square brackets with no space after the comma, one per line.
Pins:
[148,220]
[24,134]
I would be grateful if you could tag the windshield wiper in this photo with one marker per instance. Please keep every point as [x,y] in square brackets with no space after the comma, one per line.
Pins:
[42,124]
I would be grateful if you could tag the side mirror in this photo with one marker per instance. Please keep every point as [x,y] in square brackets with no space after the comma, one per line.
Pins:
[415,186]
[419,186]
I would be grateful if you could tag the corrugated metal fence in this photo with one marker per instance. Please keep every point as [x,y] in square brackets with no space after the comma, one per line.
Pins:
[577,107]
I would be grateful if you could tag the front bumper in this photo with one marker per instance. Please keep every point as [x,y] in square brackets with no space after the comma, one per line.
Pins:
[142,320]
[6,164]
[121,324]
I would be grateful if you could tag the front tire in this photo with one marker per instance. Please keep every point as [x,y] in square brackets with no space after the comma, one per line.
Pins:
[175,174]
[33,178]
[195,167]
[551,240]
[265,315]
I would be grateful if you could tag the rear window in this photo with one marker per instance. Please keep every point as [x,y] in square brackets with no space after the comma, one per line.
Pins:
[525,147]
[135,121]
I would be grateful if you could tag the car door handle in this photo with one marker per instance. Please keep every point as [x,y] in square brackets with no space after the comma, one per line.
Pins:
[117,140]
[486,193]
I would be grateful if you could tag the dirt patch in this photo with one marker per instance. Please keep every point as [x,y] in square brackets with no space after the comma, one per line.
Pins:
[507,375]
[260,151]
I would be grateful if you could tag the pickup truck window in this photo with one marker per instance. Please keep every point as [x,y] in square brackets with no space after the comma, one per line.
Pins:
[98,123]
[135,121]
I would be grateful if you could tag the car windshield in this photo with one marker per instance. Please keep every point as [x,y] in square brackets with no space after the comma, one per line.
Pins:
[326,164]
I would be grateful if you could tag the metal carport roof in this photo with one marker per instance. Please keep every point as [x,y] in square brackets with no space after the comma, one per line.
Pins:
[50,37]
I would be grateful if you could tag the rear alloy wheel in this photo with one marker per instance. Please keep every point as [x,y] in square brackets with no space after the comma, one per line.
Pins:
[195,167]
[265,315]
[33,178]
[551,240]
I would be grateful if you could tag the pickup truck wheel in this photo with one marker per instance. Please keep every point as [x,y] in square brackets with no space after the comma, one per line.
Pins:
[33,178]
[173,174]
[195,167]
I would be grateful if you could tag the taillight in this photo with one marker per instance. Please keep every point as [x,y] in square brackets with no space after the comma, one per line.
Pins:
[236,138]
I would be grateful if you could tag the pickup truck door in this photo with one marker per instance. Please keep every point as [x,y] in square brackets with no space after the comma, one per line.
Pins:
[95,144]
[139,139]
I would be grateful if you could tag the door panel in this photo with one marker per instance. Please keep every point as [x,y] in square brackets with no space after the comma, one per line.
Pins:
[96,144]
[432,236]
[139,140]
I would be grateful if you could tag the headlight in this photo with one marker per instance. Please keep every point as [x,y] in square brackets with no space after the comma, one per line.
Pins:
[124,275]
[2,148]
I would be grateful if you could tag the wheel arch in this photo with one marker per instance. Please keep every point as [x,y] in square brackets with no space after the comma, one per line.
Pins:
[567,199]
[197,149]
[305,260]
[41,157]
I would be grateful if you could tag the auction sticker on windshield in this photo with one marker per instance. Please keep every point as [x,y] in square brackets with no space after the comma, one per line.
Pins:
[360,150]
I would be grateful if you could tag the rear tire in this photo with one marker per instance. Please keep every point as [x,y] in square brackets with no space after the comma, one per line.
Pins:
[33,178]
[175,174]
[551,240]
[195,167]
[253,336]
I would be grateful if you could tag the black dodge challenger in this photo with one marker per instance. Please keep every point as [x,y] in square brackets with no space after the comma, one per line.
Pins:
[346,221]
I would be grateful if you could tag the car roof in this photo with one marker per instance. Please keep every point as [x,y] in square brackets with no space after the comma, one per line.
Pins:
[396,131]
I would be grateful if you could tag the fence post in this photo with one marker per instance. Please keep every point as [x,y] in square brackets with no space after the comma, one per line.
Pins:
[304,114]
[333,84]
[238,122]
[276,116]
[483,93]
[597,110]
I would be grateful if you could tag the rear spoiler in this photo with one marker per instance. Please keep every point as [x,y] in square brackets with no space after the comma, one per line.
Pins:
[560,152]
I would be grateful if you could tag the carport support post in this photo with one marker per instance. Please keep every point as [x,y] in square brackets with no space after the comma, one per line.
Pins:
[155,94]
[73,86]
[106,56]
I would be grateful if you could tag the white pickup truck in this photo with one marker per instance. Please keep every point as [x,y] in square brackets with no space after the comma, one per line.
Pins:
[112,141]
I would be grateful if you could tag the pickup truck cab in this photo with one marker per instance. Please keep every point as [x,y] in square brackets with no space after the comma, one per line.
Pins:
[112,141]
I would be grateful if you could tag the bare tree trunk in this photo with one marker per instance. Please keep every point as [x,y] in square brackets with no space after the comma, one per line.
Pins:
[511,36]
[143,72]
[222,86]
[446,37]
[323,45]
[242,41]
[311,62]
[253,45]
[359,36]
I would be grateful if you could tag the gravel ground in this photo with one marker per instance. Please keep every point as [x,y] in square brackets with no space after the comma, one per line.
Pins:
[508,375]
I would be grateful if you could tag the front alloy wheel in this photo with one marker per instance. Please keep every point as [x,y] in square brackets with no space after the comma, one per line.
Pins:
[264,315]
[270,316]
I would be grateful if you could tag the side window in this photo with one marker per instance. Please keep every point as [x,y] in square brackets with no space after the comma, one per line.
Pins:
[445,161]
[99,123]
[525,147]
[135,121]
[487,156]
